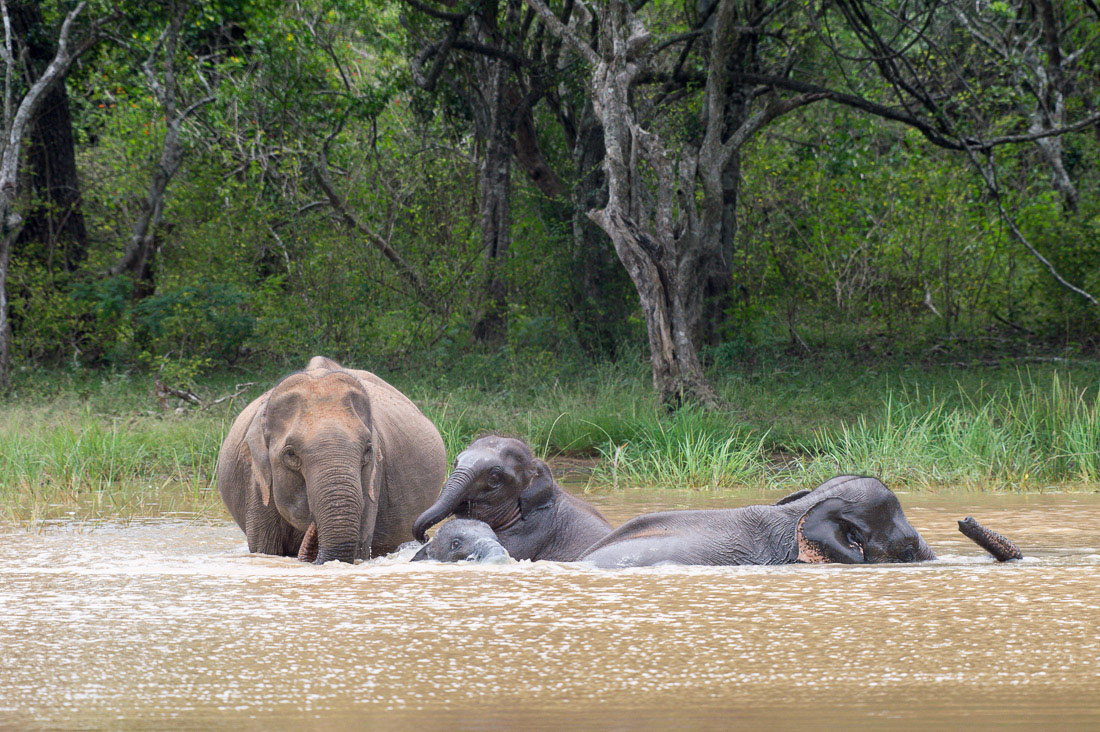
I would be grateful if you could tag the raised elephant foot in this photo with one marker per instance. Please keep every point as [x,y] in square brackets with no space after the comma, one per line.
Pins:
[1002,549]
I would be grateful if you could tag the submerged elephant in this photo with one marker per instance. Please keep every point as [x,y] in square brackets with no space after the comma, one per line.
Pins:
[463,540]
[331,463]
[499,481]
[850,519]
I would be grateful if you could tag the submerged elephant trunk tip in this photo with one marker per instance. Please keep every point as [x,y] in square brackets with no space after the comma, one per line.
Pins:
[339,553]
[924,552]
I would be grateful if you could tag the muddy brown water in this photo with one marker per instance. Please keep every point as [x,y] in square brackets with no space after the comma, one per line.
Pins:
[169,622]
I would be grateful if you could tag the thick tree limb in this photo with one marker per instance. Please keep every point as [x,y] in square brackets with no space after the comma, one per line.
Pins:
[137,256]
[881,110]
[563,31]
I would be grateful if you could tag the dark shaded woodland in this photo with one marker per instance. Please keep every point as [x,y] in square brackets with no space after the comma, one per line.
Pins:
[427,183]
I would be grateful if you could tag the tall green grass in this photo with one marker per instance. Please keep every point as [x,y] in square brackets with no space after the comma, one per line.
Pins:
[107,464]
[1033,435]
[109,442]
[1018,432]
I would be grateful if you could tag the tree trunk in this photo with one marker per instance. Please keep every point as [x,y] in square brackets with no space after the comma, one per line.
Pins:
[528,153]
[5,318]
[140,251]
[677,373]
[715,264]
[16,122]
[57,219]
[494,185]
[601,293]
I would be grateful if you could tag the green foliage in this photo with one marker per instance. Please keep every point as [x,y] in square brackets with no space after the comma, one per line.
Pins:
[206,322]
[842,217]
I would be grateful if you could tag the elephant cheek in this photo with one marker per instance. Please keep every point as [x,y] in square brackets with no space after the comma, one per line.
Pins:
[308,551]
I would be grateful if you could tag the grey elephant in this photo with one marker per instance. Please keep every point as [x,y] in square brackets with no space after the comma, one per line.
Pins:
[331,463]
[464,540]
[499,481]
[850,519]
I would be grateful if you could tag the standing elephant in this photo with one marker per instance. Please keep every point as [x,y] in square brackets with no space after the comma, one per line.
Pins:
[499,481]
[850,519]
[334,456]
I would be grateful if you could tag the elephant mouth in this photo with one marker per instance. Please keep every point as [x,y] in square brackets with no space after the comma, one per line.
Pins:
[490,513]
[307,552]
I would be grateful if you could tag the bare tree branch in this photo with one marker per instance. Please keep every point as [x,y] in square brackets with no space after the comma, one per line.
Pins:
[404,270]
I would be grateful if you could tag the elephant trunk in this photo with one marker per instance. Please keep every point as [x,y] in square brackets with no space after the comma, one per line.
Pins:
[924,552]
[450,498]
[336,501]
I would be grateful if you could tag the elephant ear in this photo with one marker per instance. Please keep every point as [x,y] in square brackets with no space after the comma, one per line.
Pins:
[792,497]
[421,555]
[374,473]
[255,443]
[539,491]
[825,536]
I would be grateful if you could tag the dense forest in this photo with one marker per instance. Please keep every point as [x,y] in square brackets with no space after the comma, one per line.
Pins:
[190,185]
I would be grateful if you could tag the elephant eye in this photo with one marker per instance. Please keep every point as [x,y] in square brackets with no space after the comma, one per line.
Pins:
[454,544]
[495,476]
[291,459]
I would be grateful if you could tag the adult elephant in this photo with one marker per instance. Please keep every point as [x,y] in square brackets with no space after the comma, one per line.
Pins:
[499,481]
[332,463]
[850,519]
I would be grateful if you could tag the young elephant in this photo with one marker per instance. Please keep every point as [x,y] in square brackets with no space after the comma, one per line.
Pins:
[335,456]
[497,480]
[850,519]
[461,540]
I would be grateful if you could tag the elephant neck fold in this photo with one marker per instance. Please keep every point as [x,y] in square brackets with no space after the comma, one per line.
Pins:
[512,519]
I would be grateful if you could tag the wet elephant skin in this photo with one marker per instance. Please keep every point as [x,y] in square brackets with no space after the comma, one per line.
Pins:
[499,481]
[330,464]
[849,519]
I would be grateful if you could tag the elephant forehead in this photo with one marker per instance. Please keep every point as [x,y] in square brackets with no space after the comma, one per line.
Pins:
[466,528]
[319,396]
[494,447]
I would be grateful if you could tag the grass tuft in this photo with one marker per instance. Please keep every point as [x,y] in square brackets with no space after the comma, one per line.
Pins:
[108,445]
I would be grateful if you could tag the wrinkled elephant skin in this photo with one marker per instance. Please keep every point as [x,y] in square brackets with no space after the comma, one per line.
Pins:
[497,480]
[850,519]
[330,464]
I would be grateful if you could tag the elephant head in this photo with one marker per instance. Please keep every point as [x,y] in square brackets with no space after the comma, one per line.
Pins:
[313,452]
[855,520]
[463,540]
[491,480]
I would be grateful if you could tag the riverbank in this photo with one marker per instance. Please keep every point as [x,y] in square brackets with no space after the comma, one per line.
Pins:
[74,437]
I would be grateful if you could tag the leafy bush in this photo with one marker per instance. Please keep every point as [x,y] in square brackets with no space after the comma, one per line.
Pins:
[200,321]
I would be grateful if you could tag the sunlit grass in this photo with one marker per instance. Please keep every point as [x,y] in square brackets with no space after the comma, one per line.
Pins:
[107,448]
[1038,434]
